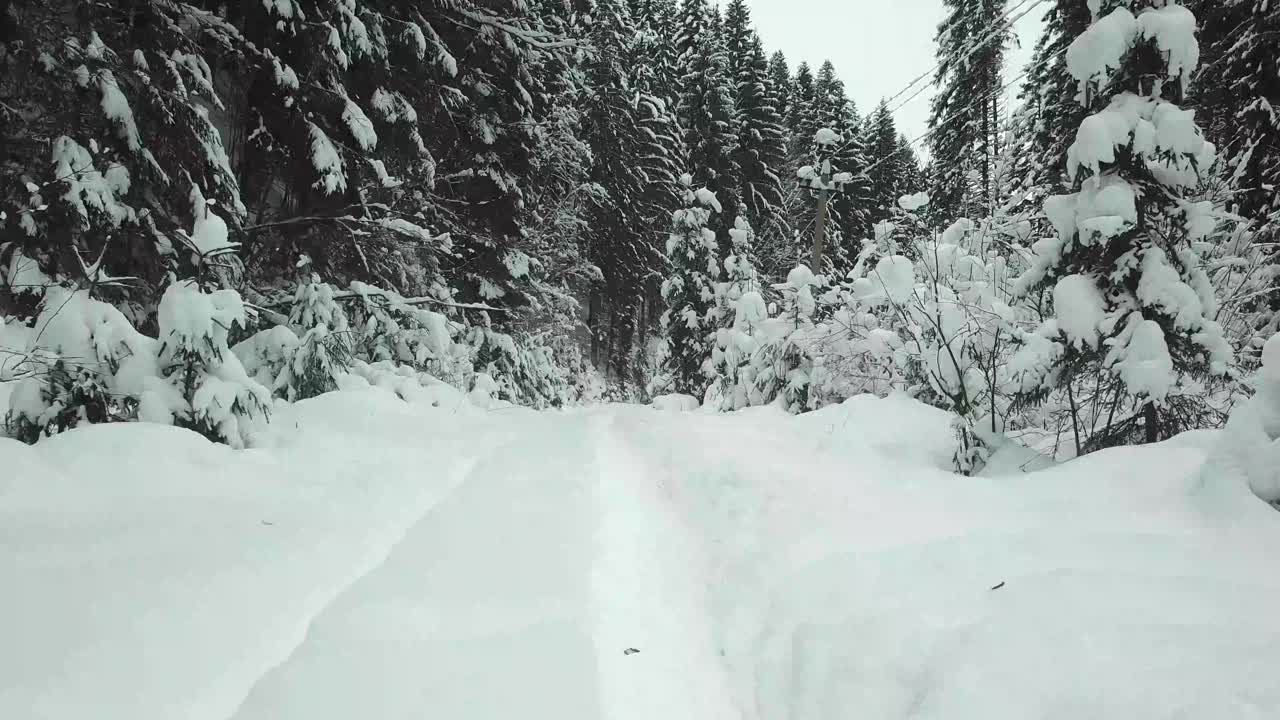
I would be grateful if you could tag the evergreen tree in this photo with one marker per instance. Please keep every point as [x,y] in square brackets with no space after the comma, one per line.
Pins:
[888,164]
[1130,299]
[1242,81]
[913,179]
[802,114]
[738,39]
[780,84]
[1049,112]
[690,319]
[737,305]
[693,29]
[760,153]
[656,23]
[963,119]
[618,245]
[707,116]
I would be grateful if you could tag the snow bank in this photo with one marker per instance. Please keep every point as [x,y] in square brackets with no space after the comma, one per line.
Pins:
[675,403]
[1249,453]
[851,577]
[385,557]
[152,574]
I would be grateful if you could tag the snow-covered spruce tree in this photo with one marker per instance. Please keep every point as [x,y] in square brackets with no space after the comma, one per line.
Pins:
[707,115]
[912,180]
[629,131]
[1245,79]
[321,347]
[780,85]
[1129,297]
[656,23]
[392,328]
[691,317]
[1049,112]
[739,307]
[802,117]
[84,363]
[661,158]
[888,173]
[335,154]
[693,27]
[963,117]
[803,120]
[761,150]
[107,130]
[88,364]
[781,370]
[777,251]
[523,371]
[203,386]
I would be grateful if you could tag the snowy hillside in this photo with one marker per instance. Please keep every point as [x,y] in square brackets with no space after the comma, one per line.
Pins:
[384,558]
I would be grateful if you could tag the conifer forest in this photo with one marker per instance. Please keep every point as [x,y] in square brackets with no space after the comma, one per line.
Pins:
[209,209]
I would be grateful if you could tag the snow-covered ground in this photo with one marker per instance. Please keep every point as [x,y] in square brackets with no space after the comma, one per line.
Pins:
[382,558]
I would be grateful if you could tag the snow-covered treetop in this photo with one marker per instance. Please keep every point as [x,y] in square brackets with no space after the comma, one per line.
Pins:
[826,137]
[1097,52]
[708,198]
[1163,134]
[912,203]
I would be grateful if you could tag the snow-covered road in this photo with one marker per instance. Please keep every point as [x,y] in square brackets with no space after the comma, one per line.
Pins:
[392,559]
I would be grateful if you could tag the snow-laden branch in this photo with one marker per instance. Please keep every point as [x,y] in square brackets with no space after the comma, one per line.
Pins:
[425,300]
[540,40]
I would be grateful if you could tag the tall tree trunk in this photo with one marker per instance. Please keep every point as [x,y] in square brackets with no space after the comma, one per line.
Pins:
[820,230]
[1150,422]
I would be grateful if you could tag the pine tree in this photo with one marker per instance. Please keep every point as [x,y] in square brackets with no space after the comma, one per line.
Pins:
[913,179]
[761,151]
[780,84]
[738,306]
[692,30]
[1049,112]
[656,23]
[618,245]
[963,119]
[738,38]
[1130,299]
[802,114]
[888,165]
[691,318]
[708,118]
[1242,82]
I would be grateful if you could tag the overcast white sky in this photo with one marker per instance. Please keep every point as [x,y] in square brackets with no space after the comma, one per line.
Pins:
[878,46]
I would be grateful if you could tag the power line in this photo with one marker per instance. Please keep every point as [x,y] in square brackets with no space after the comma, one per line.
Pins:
[995,30]
[993,33]
[967,108]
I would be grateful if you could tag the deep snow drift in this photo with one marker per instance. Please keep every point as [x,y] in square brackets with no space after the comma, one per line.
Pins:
[389,558]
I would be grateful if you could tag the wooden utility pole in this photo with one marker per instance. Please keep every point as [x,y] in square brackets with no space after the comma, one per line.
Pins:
[822,179]
[820,230]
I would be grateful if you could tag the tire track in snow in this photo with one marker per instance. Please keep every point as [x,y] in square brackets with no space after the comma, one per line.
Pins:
[375,560]
[481,612]
[649,594]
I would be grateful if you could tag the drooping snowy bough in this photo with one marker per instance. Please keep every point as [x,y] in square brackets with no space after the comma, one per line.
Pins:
[1131,301]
